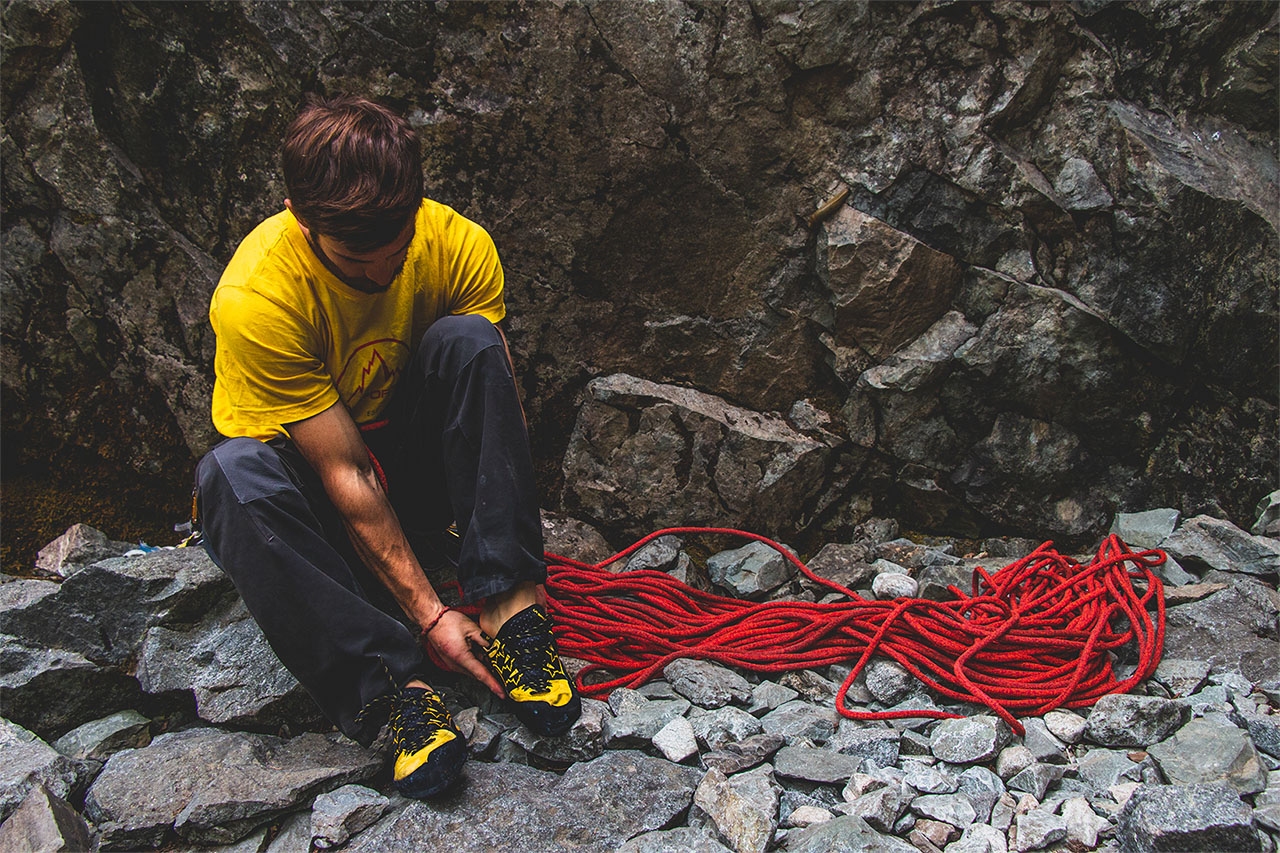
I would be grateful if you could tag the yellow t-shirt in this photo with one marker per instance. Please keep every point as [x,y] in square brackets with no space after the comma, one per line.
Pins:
[293,339]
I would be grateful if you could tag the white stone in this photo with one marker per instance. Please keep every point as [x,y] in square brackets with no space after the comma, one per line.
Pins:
[676,740]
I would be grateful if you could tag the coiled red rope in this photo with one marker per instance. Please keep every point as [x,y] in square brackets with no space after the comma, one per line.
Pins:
[1036,635]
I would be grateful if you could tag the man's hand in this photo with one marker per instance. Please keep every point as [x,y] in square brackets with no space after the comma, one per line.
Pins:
[450,642]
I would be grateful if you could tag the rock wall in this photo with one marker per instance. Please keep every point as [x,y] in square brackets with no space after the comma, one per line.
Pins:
[1050,292]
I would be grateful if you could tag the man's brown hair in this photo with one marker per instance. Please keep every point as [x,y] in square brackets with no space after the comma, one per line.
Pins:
[353,170]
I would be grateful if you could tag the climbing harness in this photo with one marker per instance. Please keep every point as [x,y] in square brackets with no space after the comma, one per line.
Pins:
[1039,634]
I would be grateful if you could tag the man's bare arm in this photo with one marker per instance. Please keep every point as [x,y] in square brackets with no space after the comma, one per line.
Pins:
[331,443]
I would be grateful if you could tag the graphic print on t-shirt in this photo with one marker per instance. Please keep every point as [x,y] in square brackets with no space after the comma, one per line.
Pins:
[370,375]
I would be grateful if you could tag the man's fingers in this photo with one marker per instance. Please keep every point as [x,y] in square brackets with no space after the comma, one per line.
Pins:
[481,673]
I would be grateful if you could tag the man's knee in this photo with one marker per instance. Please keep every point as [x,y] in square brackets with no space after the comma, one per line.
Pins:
[240,469]
[454,340]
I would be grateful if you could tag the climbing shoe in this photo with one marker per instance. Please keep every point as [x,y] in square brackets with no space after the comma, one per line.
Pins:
[524,658]
[429,749]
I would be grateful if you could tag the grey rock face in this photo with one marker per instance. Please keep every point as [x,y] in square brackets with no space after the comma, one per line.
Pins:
[25,762]
[660,555]
[690,454]
[743,808]
[75,549]
[51,690]
[1142,530]
[215,787]
[226,662]
[1185,817]
[594,806]
[1234,629]
[880,745]
[1221,545]
[798,720]
[848,834]
[637,726]
[815,765]
[954,809]
[1120,719]
[583,742]
[888,681]
[751,571]
[98,740]
[572,538]
[1038,829]
[722,726]
[676,740]
[969,740]
[340,814]
[1206,750]
[1268,515]
[706,684]
[683,838]
[736,756]
[44,822]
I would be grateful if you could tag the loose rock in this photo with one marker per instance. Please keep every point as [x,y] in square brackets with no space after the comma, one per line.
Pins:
[1065,725]
[878,744]
[25,762]
[706,684]
[848,833]
[1210,750]
[1121,719]
[1038,829]
[954,809]
[1185,817]
[1083,824]
[750,571]
[969,740]
[815,765]
[716,729]
[340,814]
[889,682]
[743,808]
[684,838]
[1221,545]
[100,739]
[676,740]
[799,720]
[44,822]
[583,742]
[78,547]
[734,757]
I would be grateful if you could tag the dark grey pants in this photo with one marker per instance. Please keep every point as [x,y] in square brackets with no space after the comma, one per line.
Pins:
[455,449]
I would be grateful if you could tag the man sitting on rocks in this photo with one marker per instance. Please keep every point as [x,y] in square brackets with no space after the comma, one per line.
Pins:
[364,390]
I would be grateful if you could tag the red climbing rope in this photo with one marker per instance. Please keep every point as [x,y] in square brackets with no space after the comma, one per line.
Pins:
[1034,636]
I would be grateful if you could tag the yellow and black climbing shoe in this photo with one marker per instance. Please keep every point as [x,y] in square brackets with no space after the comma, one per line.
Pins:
[429,750]
[524,657]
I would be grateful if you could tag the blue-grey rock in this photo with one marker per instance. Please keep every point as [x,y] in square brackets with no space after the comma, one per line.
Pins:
[768,695]
[25,762]
[881,807]
[954,809]
[1037,779]
[888,681]
[815,765]
[595,806]
[1144,530]
[878,743]
[928,779]
[1268,513]
[848,834]
[1210,750]
[1264,730]
[215,787]
[1234,629]
[1038,829]
[750,571]
[341,813]
[1159,818]
[736,756]
[1181,677]
[637,725]
[1103,768]
[583,742]
[723,726]
[98,740]
[983,788]
[1122,719]
[1043,745]
[969,740]
[686,839]
[846,565]
[1219,544]
[659,555]
[626,699]
[706,684]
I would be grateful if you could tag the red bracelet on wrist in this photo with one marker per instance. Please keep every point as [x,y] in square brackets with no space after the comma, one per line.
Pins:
[427,628]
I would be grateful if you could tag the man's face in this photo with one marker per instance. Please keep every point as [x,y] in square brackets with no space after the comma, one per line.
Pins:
[369,271]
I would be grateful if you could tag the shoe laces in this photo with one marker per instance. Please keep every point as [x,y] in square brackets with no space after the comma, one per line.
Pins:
[524,654]
[416,715]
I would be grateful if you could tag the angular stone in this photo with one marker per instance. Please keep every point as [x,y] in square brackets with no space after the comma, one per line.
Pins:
[811,686]
[954,809]
[800,720]
[706,684]
[923,360]
[684,838]
[79,546]
[104,610]
[881,807]
[100,739]
[226,662]
[676,740]
[51,690]
[889,682]
[1186,817]
[969,740]
[983,788]
[1144,530]
[1122,719]
[595,805]
[1043,745]
[44,823]
[751,571]
[294,835]
[341,813]
[1268,513]
[1012,760]
[847,834]
[1207,750]
[768,695]
[1221,545]
[583,742]
[808,816]
[659,555]
[1083,823]
[734,757]
[928,779]
[648,456]
[637,726]
[878,744]
[1037,779]
[25,762]
[1080,188]
[935,581]
[843,564]
[715,729]
[1181,677]
[979,838]
[815,765]
[1263,729]
[1066,726]
[572,538]
[1103,768]
[743,808]
[1038,829]
[936,832]
[625,699]
[215,787]
[1236,629]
